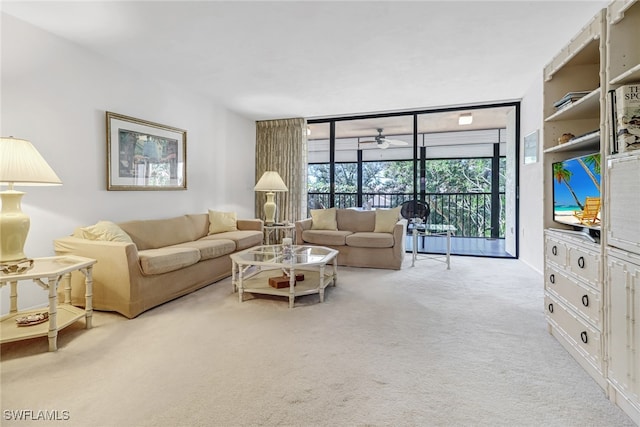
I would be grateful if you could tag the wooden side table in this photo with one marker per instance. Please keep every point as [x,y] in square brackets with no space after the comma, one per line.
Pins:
[48,273]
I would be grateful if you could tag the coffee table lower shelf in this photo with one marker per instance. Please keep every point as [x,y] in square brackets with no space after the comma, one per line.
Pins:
[258,283]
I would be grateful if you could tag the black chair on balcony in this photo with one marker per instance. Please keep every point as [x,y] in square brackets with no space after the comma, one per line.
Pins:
[314,203]
[412,210]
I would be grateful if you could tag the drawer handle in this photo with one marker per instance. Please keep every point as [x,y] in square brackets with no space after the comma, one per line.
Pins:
[550,308]
[554,250]
[581,262]
[583,336]
[585,300]
[552,278]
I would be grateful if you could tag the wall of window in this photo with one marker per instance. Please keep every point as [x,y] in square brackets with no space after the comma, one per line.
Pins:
[383,160]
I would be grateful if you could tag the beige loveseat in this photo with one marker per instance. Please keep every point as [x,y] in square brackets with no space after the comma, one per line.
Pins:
[144,263]
[363,238]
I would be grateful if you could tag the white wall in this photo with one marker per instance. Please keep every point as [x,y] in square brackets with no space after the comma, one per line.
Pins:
[531,185]
[55,94]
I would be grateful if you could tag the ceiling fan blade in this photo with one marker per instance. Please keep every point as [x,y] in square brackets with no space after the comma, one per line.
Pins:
[383,144]
[395,141]
[366,142]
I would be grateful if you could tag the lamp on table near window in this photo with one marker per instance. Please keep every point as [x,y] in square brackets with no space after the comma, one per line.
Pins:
[21,165]
[270,182]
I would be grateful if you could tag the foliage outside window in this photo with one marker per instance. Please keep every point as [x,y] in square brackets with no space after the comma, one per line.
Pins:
[457,190]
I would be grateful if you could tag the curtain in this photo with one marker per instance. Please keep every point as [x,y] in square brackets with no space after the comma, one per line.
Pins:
[281,146]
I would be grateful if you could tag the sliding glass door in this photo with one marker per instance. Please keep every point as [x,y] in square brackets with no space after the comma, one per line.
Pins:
[461,171]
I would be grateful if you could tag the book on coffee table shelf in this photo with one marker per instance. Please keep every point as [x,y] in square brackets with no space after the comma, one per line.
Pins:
[280,282]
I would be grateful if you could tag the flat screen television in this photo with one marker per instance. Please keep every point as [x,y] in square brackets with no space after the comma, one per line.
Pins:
[575,180]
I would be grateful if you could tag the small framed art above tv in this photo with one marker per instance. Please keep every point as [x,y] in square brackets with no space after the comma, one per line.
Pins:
[577,191]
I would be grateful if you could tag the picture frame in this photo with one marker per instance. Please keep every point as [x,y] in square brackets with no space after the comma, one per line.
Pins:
[531,147]
[144,156]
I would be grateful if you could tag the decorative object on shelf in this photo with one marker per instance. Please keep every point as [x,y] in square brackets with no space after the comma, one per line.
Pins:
[32,319]
[270,182]
[565,137]
[20,165]
[143,155]
[628,117]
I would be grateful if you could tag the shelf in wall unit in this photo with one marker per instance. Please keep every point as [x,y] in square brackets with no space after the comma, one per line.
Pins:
[585,142]
[618,9]
[586,106]
[630,76]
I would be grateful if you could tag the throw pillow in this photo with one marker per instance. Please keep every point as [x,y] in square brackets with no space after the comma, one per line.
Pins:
[105,230]
[219,222]
[386,220]
[324,219]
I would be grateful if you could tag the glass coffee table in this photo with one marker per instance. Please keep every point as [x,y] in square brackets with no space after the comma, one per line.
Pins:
[253,268]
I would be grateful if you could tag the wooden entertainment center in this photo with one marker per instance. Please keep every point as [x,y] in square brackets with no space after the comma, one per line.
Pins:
[592,274]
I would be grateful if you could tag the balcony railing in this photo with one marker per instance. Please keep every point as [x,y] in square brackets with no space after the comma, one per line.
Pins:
[470,213]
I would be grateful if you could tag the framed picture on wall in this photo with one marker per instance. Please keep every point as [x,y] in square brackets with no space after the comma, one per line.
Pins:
[143,155]
[531,148]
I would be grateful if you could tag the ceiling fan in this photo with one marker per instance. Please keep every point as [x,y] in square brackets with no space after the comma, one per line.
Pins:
[384,142]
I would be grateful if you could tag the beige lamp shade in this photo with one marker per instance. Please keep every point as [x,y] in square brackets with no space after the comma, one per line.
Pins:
[20,164]
[270,182]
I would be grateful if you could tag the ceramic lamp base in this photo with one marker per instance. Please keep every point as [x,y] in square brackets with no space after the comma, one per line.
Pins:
[270,209]
[14,227]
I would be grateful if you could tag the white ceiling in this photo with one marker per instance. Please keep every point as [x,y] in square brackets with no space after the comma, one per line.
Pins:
[311,59]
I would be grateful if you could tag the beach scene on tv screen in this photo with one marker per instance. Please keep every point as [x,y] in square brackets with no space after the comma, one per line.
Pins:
[573,181]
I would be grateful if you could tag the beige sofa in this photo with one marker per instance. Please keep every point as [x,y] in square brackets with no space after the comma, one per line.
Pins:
[373,239]
[144,263]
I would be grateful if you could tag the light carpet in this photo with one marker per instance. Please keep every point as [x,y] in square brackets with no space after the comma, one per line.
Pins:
[423,346]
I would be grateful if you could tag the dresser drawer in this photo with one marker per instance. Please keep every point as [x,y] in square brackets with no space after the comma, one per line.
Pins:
[582,298]
[555,251]
[586,265]
[585,339]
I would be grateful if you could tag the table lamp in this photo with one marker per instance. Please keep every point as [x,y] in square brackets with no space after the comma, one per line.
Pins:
[270,182]
[20,164]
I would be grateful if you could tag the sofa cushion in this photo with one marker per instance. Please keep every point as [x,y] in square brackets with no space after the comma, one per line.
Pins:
[386,220]
[163,260]
[355,220]
[159,233]
[103,230]
[323,219]
[210,248]
[220,222]
[370,240]
[243,238]
[325,237]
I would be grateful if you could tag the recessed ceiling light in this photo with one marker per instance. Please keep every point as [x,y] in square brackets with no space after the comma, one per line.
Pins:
[465,119]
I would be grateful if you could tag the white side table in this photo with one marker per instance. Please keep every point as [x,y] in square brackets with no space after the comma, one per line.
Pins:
[48,273]
[275,229]
[432,230]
